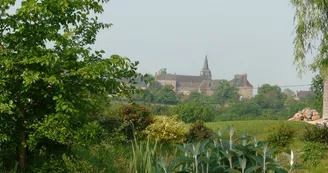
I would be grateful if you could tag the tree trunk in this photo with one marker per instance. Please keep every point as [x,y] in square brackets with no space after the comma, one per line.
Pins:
[325,99]
[22,146]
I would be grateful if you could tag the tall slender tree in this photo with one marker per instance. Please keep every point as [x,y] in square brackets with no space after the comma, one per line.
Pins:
[49,76]
[311,20]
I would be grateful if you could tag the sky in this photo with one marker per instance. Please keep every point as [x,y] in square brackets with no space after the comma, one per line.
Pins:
[253,37]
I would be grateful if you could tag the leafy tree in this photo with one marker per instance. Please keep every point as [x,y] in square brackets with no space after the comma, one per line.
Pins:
[195,97]
[144,96]
[50,78]
[192,112]
[154,85]
[270,97]
[245,109]
[312,36]
[166,95]
[225,93]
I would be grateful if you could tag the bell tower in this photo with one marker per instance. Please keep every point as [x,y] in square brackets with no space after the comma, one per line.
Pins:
[206,72]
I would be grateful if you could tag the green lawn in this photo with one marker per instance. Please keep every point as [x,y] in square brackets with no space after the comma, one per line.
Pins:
[255,127]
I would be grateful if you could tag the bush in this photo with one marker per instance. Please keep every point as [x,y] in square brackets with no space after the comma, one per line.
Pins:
[157,109]
[318,133]
[167,129]
[136,115]
[314,152]
[192,112]
[245,109]
[280,136]
[135,119]
[198,132]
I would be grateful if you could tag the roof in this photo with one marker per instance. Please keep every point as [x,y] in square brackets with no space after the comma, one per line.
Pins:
[239,81]
[200,81]
[304,94]
[180,78]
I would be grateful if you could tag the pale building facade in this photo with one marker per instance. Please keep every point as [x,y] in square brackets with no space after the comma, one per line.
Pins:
[203,83]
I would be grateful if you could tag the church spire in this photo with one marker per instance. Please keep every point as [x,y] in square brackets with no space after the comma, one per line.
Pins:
[206,72]
[205,66]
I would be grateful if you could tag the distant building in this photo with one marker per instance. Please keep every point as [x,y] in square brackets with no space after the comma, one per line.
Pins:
[303,95]
[202,83]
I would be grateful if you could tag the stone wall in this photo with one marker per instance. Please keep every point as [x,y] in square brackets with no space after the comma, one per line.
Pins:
[246,92]
[169,82]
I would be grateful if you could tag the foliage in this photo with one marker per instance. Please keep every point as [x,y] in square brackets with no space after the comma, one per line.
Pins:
[280,136]
[199,132]
[317,133]
[270,97]
[158,109]
[144,159]
[244,109]
[166,95]
[225,93]
[242,154]
[135,118]
[314,152]
[144,96]
[167,130]
[192,112]
[311,33]
[317,88]
[110,155]
[50,79]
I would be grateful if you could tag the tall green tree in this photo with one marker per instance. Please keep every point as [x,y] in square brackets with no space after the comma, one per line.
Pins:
[270,97]
[49,77]
[166,95]
[225,92]
[311,20]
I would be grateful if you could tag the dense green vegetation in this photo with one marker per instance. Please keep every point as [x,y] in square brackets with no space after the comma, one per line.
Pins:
[271,103]
[66,108]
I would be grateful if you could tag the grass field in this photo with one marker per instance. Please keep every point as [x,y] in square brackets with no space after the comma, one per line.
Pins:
[255,127]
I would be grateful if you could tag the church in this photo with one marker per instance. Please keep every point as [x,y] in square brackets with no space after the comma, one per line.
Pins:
[203,83]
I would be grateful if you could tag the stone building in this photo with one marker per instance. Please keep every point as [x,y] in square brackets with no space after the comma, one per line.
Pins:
[202,83]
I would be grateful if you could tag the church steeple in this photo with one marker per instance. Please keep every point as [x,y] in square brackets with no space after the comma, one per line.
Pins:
[206,72]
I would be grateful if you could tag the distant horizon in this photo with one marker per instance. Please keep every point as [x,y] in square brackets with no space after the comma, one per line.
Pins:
[238,37]
[254,86]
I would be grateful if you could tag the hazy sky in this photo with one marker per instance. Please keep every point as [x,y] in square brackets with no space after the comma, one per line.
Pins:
[253,37]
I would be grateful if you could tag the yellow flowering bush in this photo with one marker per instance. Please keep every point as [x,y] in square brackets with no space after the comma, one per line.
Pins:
[167,129]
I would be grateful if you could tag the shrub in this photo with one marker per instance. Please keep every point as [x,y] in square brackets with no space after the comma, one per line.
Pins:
[318,133]
[280,136]
[167,129]
[135,120]
[157,109]
[245,109]
[136,115]
[314,152]
[192,112]
[198,132]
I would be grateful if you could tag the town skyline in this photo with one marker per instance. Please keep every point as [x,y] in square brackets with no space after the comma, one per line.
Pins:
[252,38]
